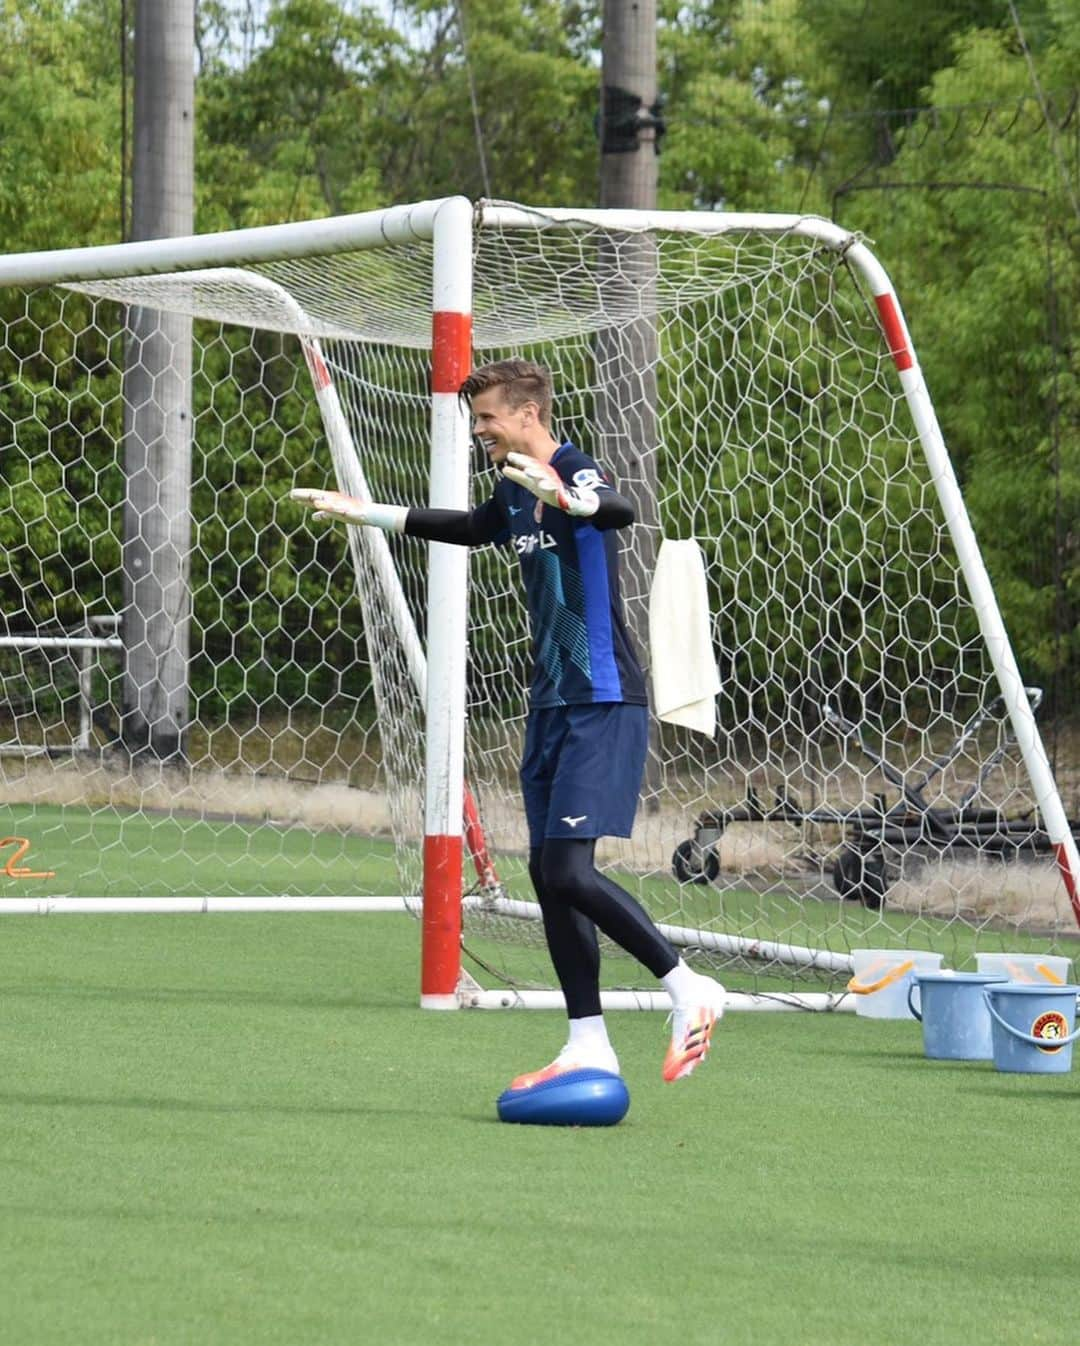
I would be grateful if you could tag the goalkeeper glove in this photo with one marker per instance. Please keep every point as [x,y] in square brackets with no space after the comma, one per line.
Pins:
[549,488]
[335,505]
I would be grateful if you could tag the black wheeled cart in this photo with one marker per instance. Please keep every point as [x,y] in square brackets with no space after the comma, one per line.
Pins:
[874,830]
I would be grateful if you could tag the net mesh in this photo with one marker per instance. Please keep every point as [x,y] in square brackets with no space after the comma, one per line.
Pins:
[862,789]
[287,780]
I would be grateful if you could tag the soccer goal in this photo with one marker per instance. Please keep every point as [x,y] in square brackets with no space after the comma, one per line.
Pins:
[278,716]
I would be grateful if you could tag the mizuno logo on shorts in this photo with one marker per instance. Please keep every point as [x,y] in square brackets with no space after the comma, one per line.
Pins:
[573,822]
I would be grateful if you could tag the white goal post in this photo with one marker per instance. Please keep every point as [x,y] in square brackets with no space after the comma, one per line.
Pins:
[878,777]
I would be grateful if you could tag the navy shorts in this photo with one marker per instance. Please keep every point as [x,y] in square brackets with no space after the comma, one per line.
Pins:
[581,770]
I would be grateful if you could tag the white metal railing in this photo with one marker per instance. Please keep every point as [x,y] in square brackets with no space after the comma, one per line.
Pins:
[87,648]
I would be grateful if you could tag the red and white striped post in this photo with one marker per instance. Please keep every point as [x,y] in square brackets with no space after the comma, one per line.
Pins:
[447,609]
[991,623]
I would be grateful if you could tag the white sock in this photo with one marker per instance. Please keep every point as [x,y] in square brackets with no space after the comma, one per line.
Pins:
[683,984]
[589,1034]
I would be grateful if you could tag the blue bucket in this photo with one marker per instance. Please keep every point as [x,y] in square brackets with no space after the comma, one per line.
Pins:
[1033,1027]
[955,1018]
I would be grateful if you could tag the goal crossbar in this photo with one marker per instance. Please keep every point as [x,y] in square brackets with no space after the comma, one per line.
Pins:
[624,293]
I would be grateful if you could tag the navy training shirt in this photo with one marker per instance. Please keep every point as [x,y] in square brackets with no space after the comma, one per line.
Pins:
[582,651]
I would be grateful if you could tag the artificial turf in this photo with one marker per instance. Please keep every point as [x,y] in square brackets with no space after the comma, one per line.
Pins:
[241,1129]
[109,852]
[119,853]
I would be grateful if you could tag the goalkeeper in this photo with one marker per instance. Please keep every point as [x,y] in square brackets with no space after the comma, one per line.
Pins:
[587,730]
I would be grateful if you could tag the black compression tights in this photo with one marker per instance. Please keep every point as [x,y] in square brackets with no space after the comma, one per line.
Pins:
[575,899]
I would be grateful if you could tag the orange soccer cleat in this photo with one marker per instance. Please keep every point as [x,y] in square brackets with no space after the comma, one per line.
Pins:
[691,1032]
[569,1059]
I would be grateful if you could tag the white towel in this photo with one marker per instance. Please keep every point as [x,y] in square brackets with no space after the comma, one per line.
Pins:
[684,676]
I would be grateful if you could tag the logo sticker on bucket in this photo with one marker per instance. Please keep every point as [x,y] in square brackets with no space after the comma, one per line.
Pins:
[1050,1025]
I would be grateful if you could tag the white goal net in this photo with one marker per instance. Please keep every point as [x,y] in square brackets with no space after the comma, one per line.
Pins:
[868,785]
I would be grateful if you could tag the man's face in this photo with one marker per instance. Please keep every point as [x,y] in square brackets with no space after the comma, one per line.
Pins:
[501,428]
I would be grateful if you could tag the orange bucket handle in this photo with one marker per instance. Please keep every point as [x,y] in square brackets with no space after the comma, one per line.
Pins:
[1049,974]
[1018,973]
[894,974]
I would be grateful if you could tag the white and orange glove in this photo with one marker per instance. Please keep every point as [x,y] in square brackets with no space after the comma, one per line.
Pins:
[350,509]
[549,488]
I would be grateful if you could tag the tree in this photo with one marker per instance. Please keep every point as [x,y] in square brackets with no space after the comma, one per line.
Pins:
[984,242]
[881,55]
[297,132]
[328,107]
[743,88]
[60,152]
[339,112]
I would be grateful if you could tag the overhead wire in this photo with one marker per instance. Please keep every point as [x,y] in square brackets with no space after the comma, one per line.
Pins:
[123,120]
[826,128]
[478,130]
[1045,109]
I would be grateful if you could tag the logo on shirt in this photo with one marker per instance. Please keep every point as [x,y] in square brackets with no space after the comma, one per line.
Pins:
[526,543]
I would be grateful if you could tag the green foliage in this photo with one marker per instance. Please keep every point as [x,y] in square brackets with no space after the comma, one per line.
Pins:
[59,161]
[338,112]
[266,592]
[313,107]
[294,134]
[742,87]
[991,276]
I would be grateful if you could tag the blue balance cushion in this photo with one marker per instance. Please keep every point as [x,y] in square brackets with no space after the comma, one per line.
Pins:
[578,1098]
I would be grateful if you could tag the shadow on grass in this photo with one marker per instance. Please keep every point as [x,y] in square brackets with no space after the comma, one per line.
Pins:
[1040,1091]
[550,1128]
[914,1062]
[878,1053]
[917,1063]
[191,995]
[31,1100]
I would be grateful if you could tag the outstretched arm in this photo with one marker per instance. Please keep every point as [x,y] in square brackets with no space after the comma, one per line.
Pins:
[466,528]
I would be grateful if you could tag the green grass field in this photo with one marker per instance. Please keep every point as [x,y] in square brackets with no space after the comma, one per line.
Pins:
[109,852]
[97,852]
[242,1130]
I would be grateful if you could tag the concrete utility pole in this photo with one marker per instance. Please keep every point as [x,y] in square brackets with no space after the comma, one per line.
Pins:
[630,123]
[627,355]
[157,396]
